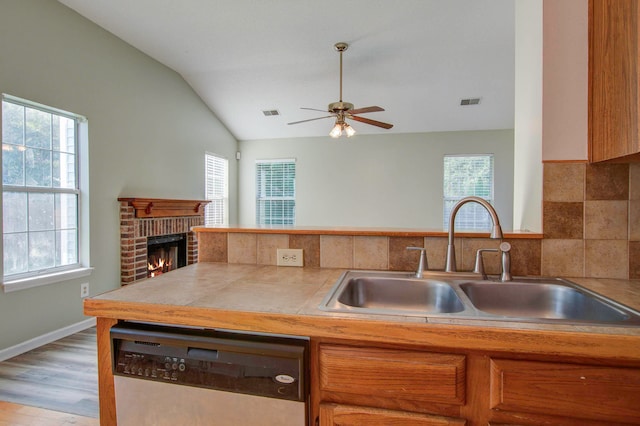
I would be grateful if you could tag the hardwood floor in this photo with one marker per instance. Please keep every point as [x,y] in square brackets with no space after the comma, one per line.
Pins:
[21,415]
[61,376]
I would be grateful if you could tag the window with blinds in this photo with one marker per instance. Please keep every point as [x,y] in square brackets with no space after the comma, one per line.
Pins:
[466,175]
[276,192]
[216,190]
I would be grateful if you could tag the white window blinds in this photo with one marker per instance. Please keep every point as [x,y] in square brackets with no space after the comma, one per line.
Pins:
[466,175]
[217,190]
[276,192]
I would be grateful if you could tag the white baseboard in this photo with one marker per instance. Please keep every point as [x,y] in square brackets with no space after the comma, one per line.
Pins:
[46,338]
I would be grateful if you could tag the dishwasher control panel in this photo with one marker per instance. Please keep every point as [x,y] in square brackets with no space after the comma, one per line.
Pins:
[152,366]
[257,365]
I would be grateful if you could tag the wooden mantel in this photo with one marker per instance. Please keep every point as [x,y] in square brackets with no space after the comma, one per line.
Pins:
[159,207]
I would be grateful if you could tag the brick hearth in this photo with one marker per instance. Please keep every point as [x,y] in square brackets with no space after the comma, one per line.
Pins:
[141,218]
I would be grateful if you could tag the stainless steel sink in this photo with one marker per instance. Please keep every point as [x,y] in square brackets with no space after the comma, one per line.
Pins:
[400,294]
[461,296]
[392,293]
[541,300]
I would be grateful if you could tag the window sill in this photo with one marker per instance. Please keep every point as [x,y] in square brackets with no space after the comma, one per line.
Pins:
[15,285]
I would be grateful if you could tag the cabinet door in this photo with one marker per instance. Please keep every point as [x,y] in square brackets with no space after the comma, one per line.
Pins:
[613,79]
[392,374]
[603,393]
[346,415]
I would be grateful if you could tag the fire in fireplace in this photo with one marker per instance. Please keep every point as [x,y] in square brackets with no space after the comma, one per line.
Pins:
[166,253]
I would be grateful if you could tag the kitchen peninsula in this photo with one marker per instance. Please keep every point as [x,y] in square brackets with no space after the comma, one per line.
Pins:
[399,369]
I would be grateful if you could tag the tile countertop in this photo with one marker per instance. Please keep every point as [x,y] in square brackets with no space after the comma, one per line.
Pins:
[285,300]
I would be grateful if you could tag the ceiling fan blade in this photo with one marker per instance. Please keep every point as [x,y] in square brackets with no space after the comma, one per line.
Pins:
[366,109]
[311,119]
[372,122]
[314,109]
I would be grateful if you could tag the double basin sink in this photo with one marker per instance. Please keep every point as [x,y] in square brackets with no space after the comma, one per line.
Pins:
[542,300]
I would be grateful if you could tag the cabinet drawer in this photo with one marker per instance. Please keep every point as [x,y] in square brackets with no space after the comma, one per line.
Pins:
[346,415]
[571,390]
[397,374]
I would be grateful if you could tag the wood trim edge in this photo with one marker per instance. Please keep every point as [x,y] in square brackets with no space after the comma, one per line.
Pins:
[159,207]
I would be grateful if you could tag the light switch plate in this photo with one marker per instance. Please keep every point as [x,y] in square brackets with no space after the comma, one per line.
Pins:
[289,257]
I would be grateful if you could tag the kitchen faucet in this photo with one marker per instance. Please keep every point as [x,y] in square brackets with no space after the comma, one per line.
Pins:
[496,230]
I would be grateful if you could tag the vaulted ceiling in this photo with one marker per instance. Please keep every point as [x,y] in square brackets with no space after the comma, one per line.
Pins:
[415,58]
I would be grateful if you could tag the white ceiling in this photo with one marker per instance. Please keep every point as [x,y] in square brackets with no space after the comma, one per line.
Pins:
[415,58]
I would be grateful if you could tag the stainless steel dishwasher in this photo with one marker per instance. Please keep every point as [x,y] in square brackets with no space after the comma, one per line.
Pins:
[167,375]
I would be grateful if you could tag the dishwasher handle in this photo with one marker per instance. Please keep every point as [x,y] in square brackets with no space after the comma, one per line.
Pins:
[203,354]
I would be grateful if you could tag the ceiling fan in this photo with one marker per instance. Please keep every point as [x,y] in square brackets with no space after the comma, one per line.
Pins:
[343,110]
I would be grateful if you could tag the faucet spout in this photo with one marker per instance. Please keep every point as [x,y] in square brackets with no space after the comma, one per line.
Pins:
[496,230]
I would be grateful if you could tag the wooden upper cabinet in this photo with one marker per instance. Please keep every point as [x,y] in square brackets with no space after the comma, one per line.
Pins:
[613,80]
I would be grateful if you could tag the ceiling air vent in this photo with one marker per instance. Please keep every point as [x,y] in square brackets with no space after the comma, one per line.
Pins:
[470,101]
[270,112]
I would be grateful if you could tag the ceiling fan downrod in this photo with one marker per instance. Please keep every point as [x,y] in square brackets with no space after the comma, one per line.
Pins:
[340,105]
[341,47]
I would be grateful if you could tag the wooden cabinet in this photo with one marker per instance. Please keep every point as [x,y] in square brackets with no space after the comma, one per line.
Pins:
[614,120]
[415,376]
[589,392]
[371,385]
[354,384]
[346,415]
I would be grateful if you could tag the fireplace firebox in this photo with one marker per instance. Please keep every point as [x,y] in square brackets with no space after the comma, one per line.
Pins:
[166,253]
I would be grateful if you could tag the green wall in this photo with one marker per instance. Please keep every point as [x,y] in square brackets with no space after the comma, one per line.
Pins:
[148,132]
[391,180]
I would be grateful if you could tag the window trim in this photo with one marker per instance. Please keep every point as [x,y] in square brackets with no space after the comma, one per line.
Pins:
[79,269]
[46,278]
[44,108]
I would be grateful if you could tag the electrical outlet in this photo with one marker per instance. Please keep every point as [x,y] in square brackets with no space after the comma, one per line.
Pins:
[289,257]
[84,290]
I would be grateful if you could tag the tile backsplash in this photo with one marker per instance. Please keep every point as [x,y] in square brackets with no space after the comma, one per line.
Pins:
[363,252]
[591,220]
[591,223]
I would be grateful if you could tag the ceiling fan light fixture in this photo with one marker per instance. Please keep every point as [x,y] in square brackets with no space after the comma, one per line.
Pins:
[350,131]
[341,127]
[336,132]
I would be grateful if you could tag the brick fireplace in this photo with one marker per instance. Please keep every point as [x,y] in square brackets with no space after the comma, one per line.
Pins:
[144,218]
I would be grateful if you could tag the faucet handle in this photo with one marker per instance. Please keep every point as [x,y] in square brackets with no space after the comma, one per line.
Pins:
[422,264]
[479,266]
